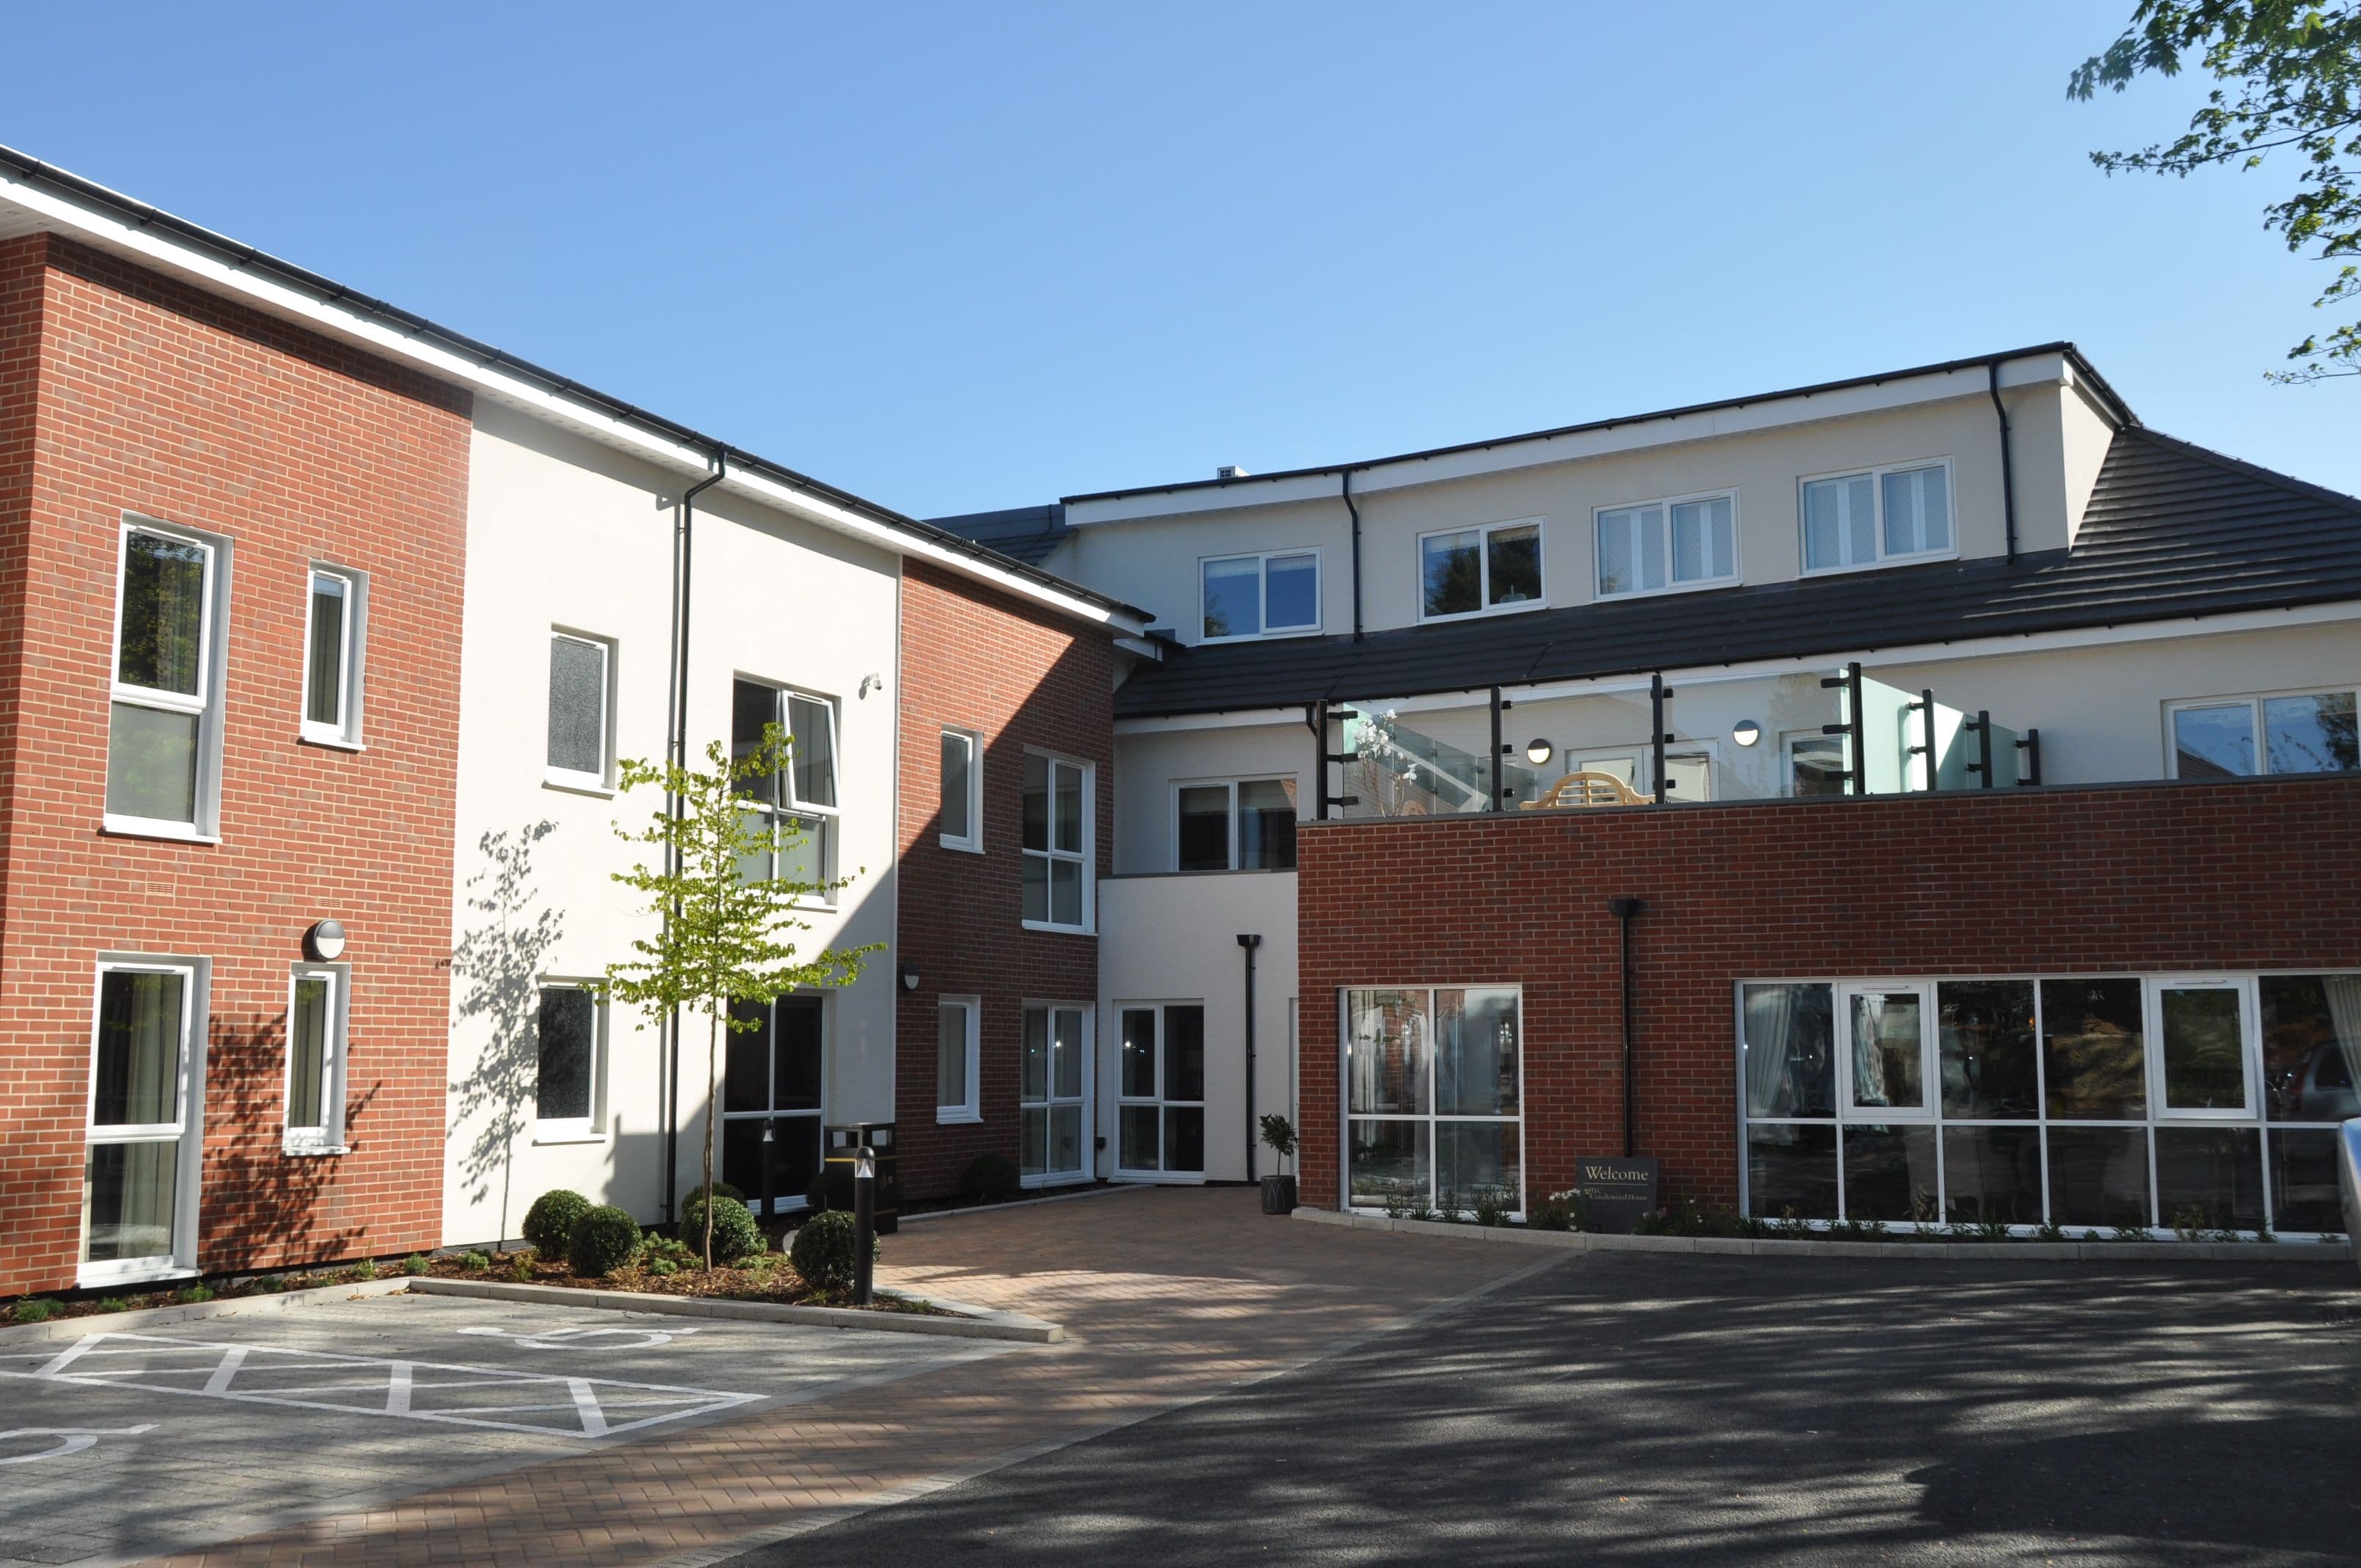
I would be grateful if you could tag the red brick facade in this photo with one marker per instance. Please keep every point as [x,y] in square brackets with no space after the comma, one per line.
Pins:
[1019,675]
[2255,874]
[122,391]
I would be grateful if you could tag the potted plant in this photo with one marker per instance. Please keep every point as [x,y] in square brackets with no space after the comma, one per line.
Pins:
[1278,1190]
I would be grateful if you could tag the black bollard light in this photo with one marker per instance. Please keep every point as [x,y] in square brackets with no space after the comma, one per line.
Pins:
[770,1172]
[864,1221]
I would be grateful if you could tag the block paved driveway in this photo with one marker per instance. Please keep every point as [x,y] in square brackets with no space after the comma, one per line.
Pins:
[1168,1296]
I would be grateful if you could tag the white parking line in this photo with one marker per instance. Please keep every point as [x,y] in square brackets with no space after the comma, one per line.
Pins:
[372,1385]
[70,1440]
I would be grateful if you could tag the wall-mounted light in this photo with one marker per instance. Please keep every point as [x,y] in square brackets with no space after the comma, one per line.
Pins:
[1537,750]
[1746,732]
[325,942]
[909,977]
[869,680]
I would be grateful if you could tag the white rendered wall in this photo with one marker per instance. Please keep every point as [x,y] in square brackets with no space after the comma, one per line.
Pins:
[1149,767]
[564,534]
[1175,938]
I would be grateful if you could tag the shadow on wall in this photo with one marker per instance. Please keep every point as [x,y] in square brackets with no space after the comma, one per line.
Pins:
[264,1208]
[498,962]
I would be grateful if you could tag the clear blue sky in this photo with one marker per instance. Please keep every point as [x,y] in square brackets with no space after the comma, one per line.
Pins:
[955,258]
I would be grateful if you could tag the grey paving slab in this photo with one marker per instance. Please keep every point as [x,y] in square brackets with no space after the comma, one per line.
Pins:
[118,1445]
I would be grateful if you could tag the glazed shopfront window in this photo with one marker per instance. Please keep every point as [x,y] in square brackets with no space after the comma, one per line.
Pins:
[1434,1098]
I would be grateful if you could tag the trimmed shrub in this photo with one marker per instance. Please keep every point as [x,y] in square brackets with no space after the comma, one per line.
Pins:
[735,1232]
[112,1304]
[604,1239]
[823,1250]
[991,1178]
[190,1295]
[832,1187]
[480,1262]
[549,1224]
[720,1188]
[32,1311]
[364,1269]
[415,1264]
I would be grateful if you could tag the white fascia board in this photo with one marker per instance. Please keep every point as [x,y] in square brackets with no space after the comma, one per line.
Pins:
[1642,432]
[1243,719]
[161,253]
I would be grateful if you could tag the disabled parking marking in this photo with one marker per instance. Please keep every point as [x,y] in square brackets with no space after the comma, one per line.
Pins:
[583,1338]
[70,1440]
[548,1404]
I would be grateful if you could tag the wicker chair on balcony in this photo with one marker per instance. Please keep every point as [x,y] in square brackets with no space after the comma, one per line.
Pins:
[1586,789]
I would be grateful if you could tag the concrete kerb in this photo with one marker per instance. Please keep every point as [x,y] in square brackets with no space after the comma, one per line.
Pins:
[1900,1251]
[143,1318]
[963,1321]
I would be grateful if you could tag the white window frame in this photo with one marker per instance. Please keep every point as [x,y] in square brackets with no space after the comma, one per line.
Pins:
[345,733]
[1233,784]
[1433,1119]
[1160,1099]
[1664,522]
[602,783]
[1788,740]
[1484,531]
[592,1128]
[1088,1045]
[970,1009]
[188,1131]
[2252,702]
[1088,856]
[328,1138]
[205,705]
[1876,477]
[826,898]
[1263,558]
[970,843]
[2243,986]
[1931,1087]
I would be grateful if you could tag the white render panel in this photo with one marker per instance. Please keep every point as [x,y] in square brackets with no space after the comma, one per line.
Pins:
[563,532]
[1147,767]
[1175,938]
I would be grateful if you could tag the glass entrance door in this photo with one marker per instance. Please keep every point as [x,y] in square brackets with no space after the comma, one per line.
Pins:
[1054,1104]
[772,1084]
[135,1214]
[1161,1107]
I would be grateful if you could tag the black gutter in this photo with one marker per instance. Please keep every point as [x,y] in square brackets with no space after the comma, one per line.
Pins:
[683,541]
[1248,942]
[1345,478]
[2007,470]
[410,325]
[2074,356]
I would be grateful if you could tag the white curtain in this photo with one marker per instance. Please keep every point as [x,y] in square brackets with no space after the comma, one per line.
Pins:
[2344,1011]
[1769,1028]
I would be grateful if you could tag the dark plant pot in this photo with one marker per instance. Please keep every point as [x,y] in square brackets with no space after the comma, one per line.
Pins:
[1279,1195]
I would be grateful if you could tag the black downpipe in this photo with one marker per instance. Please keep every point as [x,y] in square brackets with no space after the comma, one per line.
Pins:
[2007,471]
[686,539]
[1499,751]
[1347,478]
[1624,910]
[1248,942]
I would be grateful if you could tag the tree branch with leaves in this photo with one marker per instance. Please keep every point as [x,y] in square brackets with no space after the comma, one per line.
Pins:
[2291,75]
[725,922]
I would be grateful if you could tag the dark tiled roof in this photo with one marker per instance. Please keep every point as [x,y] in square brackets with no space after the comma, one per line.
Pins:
[1026,534]
[2172,531]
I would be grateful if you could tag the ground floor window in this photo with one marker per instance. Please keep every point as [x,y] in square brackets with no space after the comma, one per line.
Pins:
[1160,1101]
[957,1048]
[1431,1098]
[135,1216]
[1053,1102]
[316,1010]
[2205,1102]
[568,1028]
[771,1107]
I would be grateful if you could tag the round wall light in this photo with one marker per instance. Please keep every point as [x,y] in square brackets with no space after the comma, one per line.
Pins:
[909,977]
[324,941]
[1746,732]
[1537,751]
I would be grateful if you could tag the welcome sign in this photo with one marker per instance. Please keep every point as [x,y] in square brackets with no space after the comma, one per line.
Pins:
[1616,1188]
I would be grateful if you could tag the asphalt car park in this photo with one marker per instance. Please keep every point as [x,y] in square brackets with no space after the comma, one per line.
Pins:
[125,1441]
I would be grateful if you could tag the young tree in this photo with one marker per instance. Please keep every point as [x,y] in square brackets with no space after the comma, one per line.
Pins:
[726,921]
[2292,71]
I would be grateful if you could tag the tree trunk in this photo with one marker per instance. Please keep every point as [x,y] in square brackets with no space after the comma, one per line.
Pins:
[712,1115]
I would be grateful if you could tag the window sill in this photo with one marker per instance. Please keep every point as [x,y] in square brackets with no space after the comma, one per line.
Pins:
[91,1276]
[333,743]
[307,1151]
[146,827]
[1057,931]
[1602,596]
[557,1135]
[957,1118]
[581,785]
[1918,559]
[1278,634]
[1519,608]
[965,846]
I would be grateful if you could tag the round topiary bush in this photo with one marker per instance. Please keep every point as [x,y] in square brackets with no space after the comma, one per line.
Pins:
[990,1179]
[549,1224]
[604,1239]
[721,1188]
[823,1250]
[735,1232]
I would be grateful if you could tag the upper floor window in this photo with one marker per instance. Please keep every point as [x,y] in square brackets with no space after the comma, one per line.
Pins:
[332,647]
[315,1058]
[1665,545]
[962,817]
[2227,738]
[1057,843]
[802,796]
[1860,519]
[1469,571]
[1259,595]
[581,710]
[164,719]
[1243,824]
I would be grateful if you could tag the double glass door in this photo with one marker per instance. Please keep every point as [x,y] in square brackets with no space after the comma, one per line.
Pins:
[772,1086]
[1053,1102]
[1161,1110]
